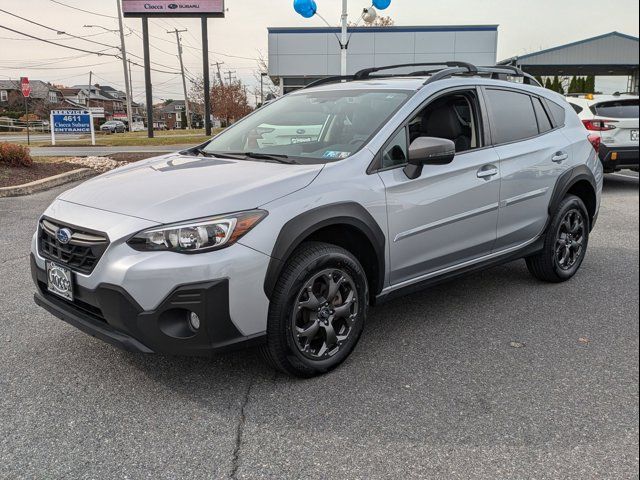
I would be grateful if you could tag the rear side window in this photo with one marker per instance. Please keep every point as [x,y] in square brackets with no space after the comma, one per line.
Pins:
[577,108]
[512,116]
[617,109]
[544,124]
[558,113]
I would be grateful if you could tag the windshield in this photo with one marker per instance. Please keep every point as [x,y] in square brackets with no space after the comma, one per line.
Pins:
[313,127]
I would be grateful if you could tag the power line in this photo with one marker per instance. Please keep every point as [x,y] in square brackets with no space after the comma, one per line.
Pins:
[89,51]
[85,11]
[59,44]
[58,31]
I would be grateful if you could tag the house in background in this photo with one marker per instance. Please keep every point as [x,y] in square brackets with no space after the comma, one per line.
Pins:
[170,114]
[44,96]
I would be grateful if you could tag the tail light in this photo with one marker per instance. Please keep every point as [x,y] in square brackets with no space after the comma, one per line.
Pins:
[595,142]
[599,125]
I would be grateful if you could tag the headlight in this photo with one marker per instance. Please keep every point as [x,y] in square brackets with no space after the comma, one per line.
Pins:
[197,235]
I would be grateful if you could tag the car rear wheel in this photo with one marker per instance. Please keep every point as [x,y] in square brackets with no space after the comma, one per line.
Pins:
[565,245]
[317,311]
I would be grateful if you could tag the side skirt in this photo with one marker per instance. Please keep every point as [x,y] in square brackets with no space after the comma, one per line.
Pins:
[530,249]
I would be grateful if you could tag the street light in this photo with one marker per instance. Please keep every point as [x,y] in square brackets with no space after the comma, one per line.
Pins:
[309,8]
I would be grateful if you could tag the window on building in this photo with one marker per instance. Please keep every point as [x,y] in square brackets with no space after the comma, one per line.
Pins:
[53,97]
[4,96]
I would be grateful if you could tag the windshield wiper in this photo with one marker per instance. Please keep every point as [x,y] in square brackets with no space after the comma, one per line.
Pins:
[275,157]
[270,156]
[244,155]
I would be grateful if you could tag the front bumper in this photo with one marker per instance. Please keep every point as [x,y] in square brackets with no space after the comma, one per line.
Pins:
[627,157]
[109,313]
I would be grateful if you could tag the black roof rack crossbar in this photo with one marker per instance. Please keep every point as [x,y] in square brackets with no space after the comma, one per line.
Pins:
[495,72]
[364,74]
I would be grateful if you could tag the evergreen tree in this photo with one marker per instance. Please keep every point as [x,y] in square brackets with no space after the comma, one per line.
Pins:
[573,85]
[590,84]
[548,84]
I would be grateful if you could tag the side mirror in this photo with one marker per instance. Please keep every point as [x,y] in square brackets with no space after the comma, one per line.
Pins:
[428,151]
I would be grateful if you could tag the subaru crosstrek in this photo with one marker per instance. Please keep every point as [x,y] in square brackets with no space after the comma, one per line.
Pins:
[284,229]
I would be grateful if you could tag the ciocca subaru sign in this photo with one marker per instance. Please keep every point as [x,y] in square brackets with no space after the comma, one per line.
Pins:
[190,8]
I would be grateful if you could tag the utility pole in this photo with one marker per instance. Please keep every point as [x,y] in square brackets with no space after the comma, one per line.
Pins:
[217,64]
[90,79]
[123,50]
[230,73]
[344,42]
[131,85]
[184,81]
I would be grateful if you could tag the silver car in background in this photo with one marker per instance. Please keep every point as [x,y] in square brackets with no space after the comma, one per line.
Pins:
[383,184]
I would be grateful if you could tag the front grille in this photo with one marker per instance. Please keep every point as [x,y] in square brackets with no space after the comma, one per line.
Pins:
[81,253]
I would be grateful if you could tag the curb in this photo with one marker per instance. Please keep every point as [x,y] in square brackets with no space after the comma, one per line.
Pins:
[47,183]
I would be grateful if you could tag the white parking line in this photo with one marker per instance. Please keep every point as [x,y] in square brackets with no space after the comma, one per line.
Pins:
[625,176]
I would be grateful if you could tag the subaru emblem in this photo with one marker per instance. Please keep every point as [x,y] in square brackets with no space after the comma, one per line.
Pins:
[172,6]
[64,235]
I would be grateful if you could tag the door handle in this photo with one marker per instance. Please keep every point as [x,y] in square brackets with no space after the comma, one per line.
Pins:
[559,157]
[487,171]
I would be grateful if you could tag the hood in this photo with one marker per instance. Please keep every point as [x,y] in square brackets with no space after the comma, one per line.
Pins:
[173,188]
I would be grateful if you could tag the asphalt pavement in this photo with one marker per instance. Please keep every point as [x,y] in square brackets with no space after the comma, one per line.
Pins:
[492,376]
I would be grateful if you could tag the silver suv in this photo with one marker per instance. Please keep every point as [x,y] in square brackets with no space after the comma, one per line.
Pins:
[385,183]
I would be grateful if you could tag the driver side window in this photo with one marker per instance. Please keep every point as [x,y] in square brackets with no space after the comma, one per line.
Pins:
[454,117]
[396,153]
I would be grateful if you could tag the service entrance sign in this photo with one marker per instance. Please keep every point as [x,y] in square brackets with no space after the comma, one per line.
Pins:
[173,8]
[71,122]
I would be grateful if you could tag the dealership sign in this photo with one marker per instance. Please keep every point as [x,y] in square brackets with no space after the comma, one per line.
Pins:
[71,122]
[171,8]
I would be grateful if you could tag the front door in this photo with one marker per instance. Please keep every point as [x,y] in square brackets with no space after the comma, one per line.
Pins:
[448,215]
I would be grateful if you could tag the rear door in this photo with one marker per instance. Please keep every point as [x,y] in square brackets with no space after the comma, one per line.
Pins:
[533,153]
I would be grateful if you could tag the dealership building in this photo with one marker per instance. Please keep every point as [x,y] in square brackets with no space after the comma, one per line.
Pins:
[299,56]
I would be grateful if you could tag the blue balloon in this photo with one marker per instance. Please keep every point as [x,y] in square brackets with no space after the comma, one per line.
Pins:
[381,4]
[306,8]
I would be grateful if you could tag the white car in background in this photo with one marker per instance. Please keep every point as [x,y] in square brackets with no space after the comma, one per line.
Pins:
[614,120]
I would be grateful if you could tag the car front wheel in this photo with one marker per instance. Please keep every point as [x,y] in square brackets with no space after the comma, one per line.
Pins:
[317,311]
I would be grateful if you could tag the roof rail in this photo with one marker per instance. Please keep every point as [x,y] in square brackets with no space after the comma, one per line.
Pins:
[452,68]
[364,74]
[334,79]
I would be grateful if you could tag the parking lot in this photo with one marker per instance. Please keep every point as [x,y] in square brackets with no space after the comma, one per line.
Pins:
[491,376]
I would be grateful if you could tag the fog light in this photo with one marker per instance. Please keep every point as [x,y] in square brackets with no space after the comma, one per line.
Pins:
[614,156]
[194,321]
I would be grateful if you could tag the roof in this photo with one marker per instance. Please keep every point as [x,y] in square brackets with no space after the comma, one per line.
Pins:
[612,53]
[39,89]
[394,29]
[171,107]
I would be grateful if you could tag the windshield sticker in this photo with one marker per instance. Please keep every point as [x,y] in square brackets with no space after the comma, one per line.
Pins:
[335,155]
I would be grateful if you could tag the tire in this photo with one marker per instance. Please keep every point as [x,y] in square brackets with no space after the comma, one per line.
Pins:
[299,340]
[565,243]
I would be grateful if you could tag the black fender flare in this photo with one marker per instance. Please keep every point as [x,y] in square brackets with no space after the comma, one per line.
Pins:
[300,227]
[564,183]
